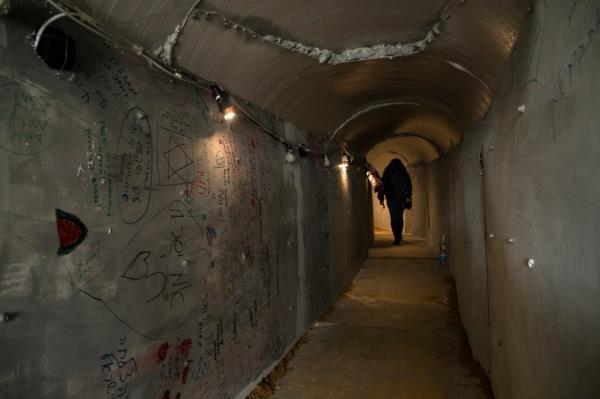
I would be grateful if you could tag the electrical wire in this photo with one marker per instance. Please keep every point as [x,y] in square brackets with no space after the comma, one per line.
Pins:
[79,18]
[275,136]
[189,13]
[90,24]
[45,25]
[251,118]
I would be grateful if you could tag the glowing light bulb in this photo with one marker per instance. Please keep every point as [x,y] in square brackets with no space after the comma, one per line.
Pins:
[224,102]
[290,156]
[344,164]
[326,161]
[372,179]
[229,113]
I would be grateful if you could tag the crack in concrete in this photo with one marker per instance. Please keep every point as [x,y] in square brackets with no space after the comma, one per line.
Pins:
[327,56]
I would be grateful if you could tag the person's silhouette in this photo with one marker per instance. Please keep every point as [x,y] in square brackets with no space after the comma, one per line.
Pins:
[397,189]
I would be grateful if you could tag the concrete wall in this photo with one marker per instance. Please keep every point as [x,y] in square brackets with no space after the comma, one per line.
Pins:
[438,211]
[351,225]
[540,190]
[206,256]
[468,244]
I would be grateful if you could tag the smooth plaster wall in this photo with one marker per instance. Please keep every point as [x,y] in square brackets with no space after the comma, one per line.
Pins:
[540,188]
[206,256]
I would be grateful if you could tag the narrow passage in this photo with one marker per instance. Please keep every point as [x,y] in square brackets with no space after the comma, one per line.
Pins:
[395,334]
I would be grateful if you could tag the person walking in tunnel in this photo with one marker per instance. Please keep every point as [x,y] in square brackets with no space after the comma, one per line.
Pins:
[397,190]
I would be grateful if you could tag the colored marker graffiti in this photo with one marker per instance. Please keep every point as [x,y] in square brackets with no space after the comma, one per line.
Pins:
[161,355]
[211,235]
[184,375]
[71,232]
[184,347]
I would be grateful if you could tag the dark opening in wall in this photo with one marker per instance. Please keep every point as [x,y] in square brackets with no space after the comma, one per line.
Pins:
[56,49]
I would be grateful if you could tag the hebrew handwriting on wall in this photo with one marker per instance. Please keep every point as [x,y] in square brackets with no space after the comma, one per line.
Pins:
[570,72]
[118,368]
[29,119]
[134,154]
[153,274]
[317,259]
[579,53]
[152,243]
[102,83]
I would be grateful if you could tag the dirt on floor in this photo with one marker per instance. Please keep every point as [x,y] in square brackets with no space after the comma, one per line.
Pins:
[268,385]
[397,333]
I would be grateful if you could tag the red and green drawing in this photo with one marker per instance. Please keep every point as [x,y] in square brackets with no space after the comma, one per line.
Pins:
[71,232]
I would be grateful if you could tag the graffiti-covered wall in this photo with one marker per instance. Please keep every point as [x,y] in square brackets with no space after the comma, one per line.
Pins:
[148,249]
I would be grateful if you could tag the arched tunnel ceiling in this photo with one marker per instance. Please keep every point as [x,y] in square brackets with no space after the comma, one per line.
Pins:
[436,91]
[383,121]
[412,150]
[336,25]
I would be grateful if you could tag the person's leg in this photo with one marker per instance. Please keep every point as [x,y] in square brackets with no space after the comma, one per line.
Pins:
[396,211]
[400,221]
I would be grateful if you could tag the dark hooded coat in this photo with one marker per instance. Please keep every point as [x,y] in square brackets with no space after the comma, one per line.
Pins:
[396,182]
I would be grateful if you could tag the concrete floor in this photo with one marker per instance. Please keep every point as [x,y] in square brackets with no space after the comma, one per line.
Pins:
[395,334]
[412,247]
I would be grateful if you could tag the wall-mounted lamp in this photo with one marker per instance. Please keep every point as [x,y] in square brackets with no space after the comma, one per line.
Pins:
[6,317]
[229,113]
[290,157]
[345,163]
[372,179]
[224,103]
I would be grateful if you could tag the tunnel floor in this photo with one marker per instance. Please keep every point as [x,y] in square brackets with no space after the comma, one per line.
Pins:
[395,334]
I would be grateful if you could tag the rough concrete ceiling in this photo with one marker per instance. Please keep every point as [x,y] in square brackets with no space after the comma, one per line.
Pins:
[445,85]
[334,24]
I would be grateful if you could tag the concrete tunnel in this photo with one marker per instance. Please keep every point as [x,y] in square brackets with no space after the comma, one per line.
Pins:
[174,223]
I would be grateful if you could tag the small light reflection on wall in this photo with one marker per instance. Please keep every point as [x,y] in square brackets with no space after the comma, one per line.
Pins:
[343,167]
